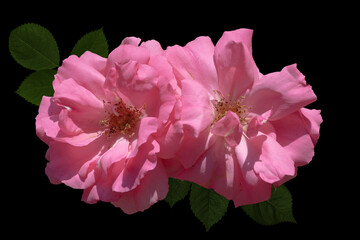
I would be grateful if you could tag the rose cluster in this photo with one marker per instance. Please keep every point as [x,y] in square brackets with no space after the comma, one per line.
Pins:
[119,127]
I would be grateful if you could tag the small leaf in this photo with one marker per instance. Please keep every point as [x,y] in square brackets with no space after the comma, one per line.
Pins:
[36,85]
[177,191]
[207,205]
[273,211]
[94,42]
[34,47]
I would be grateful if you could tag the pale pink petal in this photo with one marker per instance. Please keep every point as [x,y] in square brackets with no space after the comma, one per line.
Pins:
[230,128]
[196,109]
[191,148]
[127,52]
[170,140]
[236,69]
[293,134]
[131,41]
[130,175]
[312,120]
[148,126]
[153,46]
[281,92]
[118,151]
[274,161]
[47,119]
[83,74]
[153,187]
[95,61]
[242,35]
[66,161]
[76,97]
[259,192]
[215,169]
[101,191]
[247,154]
[194,61]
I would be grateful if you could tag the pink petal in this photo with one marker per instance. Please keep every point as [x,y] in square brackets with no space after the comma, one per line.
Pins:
[230,128]
[236,69]
[275,162]
[148,126]
[196,111]
[259,192]
[153,187]
[116,153]
[170,139]
[194,61]
[153,46]
[293,134]
[131,41]
[243,35]
[67,161]
[126,52]
[47,119]
[76,97]
[61,123]
[281,92]
[192,148]
[82,71]
[247,155]
[130,174]
[215,169]
[95,61]
[312,120]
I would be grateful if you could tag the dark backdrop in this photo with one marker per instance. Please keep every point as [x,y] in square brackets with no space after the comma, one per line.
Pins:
[292,34]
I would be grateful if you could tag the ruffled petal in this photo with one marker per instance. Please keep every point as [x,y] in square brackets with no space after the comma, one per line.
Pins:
[235,66]
[194,61]
[66,163]
[154,187]
[281,92]
[126,52]
[296,134]
[196,111]
[130,174]
[215,169]
[230,128]
[84,73]
[274,161]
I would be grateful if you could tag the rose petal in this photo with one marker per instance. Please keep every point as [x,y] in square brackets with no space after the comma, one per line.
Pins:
[235,66]
[281,92]
[196,110]
[154,187]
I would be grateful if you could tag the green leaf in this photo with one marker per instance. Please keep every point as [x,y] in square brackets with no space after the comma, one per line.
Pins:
[94,42]
[36,85]
[207,205]
[273,211]
[177,191]
[34,47]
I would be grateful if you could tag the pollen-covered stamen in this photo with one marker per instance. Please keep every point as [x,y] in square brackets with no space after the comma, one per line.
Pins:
[222,106]
[122,119]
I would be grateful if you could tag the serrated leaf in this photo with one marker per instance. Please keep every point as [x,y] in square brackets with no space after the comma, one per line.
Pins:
[273,211]
[36,85]
[177,191]
[94,42]
[34,47]
[207,205]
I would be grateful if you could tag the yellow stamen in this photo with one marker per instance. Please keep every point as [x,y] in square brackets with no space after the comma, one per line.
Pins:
[222,106]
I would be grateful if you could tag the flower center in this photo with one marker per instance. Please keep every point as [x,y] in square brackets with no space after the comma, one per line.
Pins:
[222,106]
[121,119]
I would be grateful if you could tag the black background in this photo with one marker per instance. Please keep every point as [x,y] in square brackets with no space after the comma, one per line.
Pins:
[304,34]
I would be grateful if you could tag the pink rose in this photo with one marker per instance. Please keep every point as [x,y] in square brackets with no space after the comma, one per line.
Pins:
[242,131]
[103,122]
